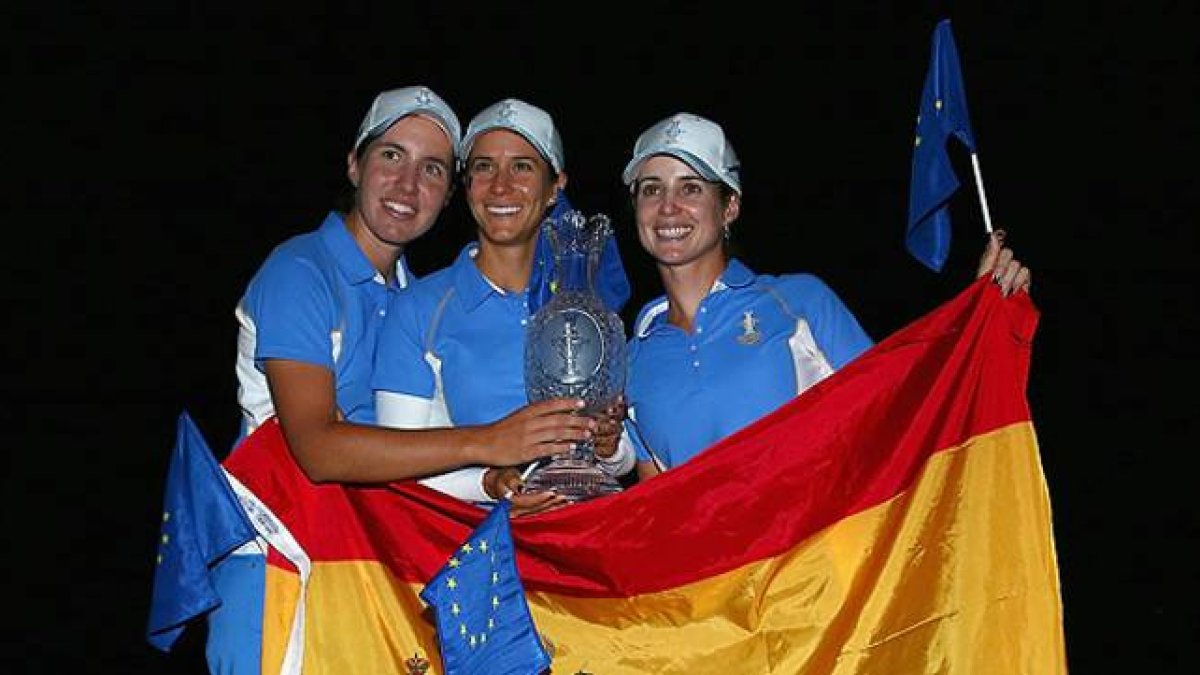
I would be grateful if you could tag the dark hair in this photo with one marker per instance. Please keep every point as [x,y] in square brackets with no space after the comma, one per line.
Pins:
[367,140]
[344,202]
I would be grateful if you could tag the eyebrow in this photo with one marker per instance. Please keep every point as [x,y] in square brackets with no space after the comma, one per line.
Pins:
[515,158]
[432,158]
[660,179]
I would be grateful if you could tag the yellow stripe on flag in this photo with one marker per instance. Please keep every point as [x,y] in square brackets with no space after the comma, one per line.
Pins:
[956,575]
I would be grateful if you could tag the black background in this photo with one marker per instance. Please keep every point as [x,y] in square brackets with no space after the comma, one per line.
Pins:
[156,153]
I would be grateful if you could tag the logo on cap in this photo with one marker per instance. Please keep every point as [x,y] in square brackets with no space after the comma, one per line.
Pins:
[673,131]
[507,112]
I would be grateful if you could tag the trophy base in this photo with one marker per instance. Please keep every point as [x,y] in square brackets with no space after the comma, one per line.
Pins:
[575,479]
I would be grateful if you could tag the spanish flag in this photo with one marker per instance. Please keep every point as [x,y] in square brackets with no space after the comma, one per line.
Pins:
[893,519]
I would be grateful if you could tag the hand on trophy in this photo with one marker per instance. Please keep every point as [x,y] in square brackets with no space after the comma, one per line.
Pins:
[507,483]
[608,428]
[575,346]
[537,430]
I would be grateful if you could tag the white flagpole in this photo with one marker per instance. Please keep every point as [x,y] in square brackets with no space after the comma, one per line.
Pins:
[987,218]
[524,475]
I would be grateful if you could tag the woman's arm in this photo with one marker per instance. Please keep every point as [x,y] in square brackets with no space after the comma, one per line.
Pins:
[328,448]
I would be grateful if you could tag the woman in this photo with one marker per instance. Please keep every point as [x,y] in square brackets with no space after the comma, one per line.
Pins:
[724,346]
[466,323]
[308,326]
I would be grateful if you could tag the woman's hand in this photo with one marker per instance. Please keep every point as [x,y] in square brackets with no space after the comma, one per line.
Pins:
[1008,272]
[506,483]
[537,430]
[608,428]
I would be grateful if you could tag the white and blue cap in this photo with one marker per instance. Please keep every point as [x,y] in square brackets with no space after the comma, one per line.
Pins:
[392,105]
[530,121]
[698,142]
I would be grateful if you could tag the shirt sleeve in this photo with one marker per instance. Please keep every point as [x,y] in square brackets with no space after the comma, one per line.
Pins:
[631,435]
[465,484]
[294,313]
[400,363]
[835,328]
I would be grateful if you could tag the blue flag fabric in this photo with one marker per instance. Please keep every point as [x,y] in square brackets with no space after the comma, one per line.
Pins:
[483,620]
[943,113]
[612,284]
[201,522]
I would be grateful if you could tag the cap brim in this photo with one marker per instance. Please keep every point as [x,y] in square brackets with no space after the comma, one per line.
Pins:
[434,114]
[469,141]
[698,165]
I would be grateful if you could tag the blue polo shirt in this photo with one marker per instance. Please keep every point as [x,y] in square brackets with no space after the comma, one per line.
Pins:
[316,299]
[474,329]
[758,341]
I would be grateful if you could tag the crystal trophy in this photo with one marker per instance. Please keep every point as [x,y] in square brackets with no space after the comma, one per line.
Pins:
[575,347]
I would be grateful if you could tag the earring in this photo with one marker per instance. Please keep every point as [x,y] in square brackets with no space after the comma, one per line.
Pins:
[727,233]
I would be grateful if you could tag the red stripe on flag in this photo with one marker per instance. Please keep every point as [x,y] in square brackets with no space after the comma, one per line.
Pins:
[852,442]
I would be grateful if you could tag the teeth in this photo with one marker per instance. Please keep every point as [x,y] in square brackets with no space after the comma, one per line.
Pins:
[398,208]
[503,210]
[672,232]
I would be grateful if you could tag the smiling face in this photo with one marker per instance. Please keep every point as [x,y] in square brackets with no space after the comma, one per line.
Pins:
[403,180]
[681,217]
[509,185]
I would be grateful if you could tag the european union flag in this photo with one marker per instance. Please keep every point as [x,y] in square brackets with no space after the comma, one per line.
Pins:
[201,522]
[612,284]
[483,620]
[943,114]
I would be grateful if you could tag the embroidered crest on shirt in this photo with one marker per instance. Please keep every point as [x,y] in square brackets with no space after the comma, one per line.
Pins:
[750,334]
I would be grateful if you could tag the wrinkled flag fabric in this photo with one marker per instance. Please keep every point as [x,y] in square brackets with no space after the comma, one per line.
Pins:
[483,621]
[894,518]
[942,115]
[611,283]
[201,522]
